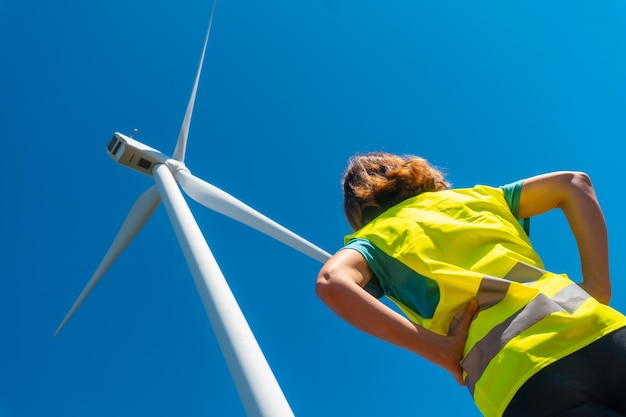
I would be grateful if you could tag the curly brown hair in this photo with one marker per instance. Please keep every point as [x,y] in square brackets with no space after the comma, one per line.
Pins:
[377,181]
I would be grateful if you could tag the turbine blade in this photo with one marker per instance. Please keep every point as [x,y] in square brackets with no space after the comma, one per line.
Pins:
[222,202]
[181,144]
[136,218]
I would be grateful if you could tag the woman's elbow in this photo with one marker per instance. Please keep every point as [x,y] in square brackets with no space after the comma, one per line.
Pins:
[582,181]
[324,286]
[345,273]
[331,286]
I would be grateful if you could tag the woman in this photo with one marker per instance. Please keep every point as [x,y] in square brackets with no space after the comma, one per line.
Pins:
[475,296]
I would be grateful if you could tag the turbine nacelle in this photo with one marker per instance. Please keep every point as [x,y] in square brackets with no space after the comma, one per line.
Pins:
[134,154]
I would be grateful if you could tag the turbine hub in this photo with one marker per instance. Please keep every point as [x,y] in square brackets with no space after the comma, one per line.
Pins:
[176,165]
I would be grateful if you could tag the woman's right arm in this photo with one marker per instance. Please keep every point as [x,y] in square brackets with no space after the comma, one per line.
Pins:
[574,194]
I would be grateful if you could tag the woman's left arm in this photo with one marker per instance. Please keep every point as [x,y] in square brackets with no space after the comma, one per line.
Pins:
[339,285]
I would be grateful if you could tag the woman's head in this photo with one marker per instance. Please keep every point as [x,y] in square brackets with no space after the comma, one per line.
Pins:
[377,181]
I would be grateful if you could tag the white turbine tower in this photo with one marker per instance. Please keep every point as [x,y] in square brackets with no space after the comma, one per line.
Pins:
[257,387]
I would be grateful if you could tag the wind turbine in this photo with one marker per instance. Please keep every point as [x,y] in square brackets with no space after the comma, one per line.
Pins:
[256,385]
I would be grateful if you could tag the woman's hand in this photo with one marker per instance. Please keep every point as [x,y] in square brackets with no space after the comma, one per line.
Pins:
[454,343]
[601,293]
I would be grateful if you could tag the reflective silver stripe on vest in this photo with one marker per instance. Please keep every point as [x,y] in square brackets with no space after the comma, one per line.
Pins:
[571,297]
[523,272]
[478,358]
[491,291]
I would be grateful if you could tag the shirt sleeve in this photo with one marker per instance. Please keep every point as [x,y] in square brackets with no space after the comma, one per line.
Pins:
[512,194]
[396,280]
[368,251]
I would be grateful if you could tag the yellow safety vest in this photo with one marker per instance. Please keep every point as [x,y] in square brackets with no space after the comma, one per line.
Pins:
[469,242]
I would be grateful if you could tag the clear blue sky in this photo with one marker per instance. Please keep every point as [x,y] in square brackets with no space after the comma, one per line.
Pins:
[490,91]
